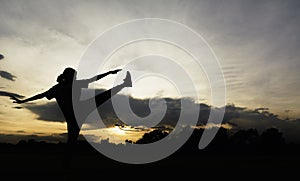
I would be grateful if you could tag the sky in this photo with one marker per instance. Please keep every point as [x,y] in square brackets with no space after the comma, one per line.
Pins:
[256,42]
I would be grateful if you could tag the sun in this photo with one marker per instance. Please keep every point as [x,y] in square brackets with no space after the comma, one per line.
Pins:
[117,130]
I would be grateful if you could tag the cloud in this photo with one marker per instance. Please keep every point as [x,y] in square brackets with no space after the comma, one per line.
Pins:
[47,112]
[238,118]
[10,94]
[7,75]
[261,119]
[261,109]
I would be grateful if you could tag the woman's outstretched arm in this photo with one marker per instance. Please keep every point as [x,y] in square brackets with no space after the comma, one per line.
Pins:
[38,96]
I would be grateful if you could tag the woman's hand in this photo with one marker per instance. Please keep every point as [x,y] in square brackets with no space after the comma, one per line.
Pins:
[16,100]
[115,71]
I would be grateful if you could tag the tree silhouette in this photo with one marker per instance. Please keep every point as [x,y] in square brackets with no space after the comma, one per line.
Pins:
[272,140]
[245,139]
[152,136]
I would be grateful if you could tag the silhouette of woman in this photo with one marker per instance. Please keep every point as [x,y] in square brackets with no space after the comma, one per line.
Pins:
[67,93]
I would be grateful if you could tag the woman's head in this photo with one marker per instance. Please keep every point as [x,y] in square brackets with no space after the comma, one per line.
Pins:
[67,76]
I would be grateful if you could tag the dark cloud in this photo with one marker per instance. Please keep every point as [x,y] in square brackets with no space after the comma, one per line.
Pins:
[10,94]
[261,119]
[21,131]
[51,111]
[261,109]
[47,112]
[7,75]
[239,118]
